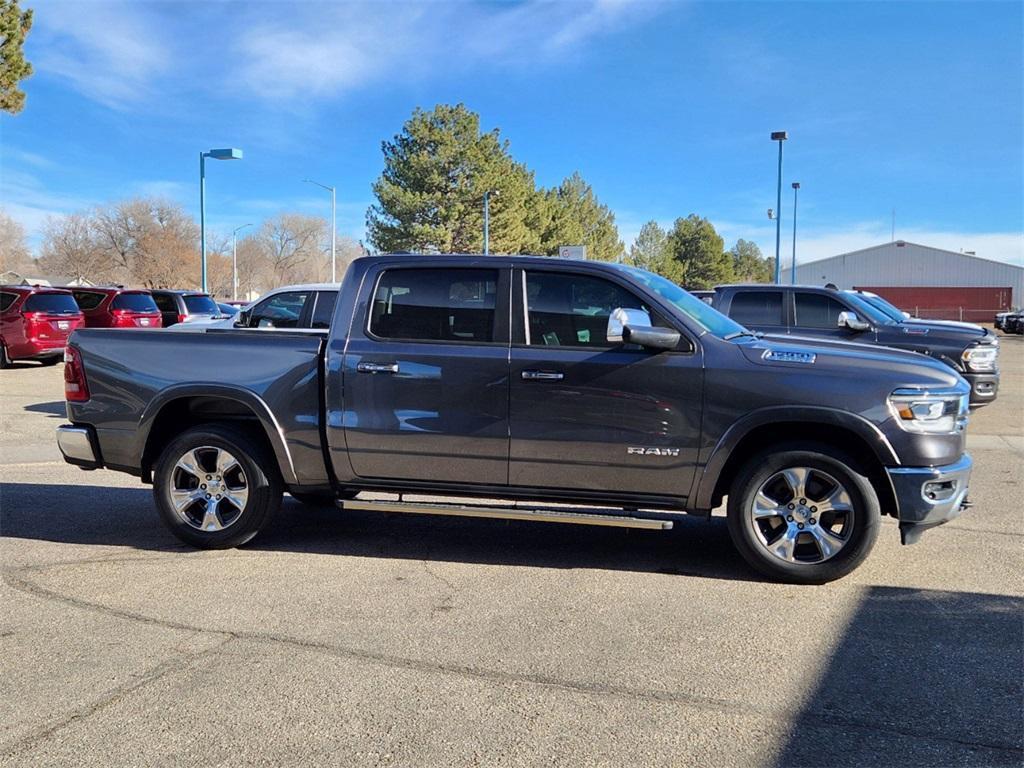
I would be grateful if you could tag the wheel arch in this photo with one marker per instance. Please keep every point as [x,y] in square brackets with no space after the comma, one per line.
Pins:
[180,408]
[772,426]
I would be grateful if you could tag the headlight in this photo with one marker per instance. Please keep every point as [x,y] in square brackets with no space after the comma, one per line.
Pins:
[932,413]
[980,358]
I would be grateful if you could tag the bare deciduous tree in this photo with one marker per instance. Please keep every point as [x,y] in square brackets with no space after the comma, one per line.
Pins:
[14,252]
[70,249]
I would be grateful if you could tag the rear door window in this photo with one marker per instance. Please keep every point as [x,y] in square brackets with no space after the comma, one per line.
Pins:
[52,303]
[815,310]
[87,300]
[166,302]
[438,304]
[6,299]
[324,309]
[754,308]
[135,302]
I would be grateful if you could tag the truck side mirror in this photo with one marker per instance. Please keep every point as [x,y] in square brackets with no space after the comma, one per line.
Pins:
[851,321]
[633,326]
[242,321]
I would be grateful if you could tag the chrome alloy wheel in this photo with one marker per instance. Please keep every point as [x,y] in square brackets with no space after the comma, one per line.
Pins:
[208,488]
[802,515]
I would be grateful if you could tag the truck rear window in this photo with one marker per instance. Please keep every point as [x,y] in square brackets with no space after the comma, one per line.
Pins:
[438,304]
[135,302]
[52,303]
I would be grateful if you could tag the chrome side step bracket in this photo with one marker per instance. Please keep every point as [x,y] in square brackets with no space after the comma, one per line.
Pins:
[534,514]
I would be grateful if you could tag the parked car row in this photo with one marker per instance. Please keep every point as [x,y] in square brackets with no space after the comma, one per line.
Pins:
[1010,322]
[35,321]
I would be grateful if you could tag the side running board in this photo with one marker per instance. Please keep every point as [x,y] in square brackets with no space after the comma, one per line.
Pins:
[535,514]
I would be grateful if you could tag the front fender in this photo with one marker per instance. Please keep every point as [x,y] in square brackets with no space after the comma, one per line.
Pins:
[702,493]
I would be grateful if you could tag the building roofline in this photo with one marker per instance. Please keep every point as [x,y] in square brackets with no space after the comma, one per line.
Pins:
[919,245]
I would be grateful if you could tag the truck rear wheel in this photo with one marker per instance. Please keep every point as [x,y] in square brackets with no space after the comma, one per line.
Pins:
[805,515]
[216,487]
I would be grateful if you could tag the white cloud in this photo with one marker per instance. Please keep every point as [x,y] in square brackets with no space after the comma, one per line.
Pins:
[111,52]
[318,50]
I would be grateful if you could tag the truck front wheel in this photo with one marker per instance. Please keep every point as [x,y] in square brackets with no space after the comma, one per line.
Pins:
[216,487]
[803,515]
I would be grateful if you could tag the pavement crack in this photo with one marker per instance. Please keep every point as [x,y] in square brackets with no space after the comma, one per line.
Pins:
[183,660]
[447,601]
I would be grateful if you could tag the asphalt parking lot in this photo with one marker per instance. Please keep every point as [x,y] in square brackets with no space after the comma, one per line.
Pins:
[361,639]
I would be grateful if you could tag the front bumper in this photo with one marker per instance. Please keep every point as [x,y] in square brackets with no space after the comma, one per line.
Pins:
[79,446]
[929,496]
[984,387]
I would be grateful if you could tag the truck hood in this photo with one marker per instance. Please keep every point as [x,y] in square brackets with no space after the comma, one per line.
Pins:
[972,327]
[942,330]
[907,369]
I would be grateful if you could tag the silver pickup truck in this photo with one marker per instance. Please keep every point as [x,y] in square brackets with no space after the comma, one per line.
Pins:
[573,392]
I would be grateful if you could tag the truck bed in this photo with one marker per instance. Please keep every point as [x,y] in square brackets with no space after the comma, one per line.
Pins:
[275,376]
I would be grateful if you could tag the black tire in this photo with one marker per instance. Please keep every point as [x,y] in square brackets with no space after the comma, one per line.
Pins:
[824,463]
[5,361]
[261,480]
[48,361]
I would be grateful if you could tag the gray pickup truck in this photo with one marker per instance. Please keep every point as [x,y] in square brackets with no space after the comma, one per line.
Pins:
[541,389]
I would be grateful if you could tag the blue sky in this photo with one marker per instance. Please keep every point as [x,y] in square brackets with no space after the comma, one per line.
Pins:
[665,108]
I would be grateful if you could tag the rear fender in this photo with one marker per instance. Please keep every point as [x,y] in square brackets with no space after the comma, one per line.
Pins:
[253,402]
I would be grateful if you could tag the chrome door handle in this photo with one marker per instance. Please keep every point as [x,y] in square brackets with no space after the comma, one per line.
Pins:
[377,367]
[543,375]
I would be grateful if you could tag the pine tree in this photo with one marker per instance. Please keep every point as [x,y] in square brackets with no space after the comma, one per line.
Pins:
[697,257]
[14,27]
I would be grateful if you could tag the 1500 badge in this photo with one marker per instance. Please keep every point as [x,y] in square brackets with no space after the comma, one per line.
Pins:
[639,451]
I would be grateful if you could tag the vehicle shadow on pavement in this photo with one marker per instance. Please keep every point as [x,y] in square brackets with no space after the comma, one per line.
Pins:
[55,408]
[100,515]
[920,678]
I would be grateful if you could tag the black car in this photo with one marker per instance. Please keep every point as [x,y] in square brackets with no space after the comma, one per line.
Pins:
[803,310]
[185,306]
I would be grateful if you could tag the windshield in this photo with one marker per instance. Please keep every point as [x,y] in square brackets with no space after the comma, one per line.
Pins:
[707,318]
[869,311]
[52,303]
[882,305]
[201,305]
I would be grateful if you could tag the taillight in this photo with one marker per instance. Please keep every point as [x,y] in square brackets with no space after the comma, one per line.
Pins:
[75,388]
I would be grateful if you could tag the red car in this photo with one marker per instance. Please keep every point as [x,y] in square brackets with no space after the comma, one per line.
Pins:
[117,308]
[35,323]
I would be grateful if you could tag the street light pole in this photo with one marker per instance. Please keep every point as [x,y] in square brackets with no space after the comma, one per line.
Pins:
[779,136]
[234,261]
[486,219]
[334,227]
[792,269]
[215,154]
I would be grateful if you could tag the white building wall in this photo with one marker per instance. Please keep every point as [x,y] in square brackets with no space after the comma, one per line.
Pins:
[911,265]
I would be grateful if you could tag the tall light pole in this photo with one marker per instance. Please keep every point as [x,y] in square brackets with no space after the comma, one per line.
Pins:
[234,260]
[214,154]
[487,219]
[792,268]
[779,136]
[334,227]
